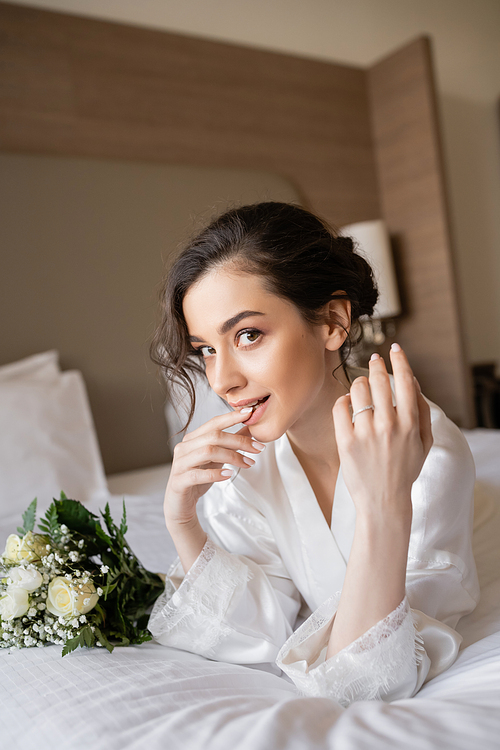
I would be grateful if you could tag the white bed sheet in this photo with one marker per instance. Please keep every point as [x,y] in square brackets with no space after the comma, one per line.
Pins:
[155,697]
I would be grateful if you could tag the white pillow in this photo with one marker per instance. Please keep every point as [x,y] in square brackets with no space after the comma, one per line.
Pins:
[47,443]
[44,366]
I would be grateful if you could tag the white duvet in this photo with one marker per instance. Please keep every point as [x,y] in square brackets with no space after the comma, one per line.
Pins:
[154,697]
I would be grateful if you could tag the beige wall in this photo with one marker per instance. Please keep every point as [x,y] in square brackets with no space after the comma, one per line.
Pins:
[466,37]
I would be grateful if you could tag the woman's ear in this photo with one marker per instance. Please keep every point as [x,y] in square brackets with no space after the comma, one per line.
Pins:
[338,314]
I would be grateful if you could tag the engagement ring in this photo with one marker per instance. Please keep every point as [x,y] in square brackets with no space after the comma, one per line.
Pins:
[365,408]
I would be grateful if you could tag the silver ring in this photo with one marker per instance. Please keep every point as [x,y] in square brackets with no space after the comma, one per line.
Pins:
[365,408]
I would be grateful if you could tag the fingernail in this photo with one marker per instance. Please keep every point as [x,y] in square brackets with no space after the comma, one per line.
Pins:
[246,410]
[258,446]
[395,348]
[227,472]
[249,461]
[374,356]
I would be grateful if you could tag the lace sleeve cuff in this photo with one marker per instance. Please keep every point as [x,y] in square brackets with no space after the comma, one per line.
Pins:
[191,616]
[374,664]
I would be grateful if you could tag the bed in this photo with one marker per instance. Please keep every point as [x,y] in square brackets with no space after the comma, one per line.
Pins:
[154,696]
[85,103]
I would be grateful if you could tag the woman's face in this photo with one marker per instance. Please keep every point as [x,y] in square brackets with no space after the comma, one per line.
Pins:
[258,349]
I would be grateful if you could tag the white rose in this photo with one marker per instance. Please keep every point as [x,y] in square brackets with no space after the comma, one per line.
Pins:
[33,546]
[66,598]
[14,603]
[26,578]
[12,547]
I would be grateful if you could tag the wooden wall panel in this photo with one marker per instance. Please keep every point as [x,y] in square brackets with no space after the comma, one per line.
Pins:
[90,88]
[413,201]
[79,87]
[83,247]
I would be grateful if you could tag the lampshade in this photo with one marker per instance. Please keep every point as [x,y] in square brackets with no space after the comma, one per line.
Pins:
[374,244]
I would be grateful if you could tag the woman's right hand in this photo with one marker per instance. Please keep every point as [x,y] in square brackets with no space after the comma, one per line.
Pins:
[198,462]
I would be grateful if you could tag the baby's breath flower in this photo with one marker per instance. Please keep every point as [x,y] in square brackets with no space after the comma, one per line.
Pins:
[74,556]
[82,617]
[81,543]
[64,528]
[104,569]
[100,591]
[41,606]
[31,612]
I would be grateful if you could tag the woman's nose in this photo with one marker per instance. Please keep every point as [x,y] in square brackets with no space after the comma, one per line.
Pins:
[226,375]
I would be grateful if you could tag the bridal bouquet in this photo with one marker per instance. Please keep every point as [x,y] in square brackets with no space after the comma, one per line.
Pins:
[73,584]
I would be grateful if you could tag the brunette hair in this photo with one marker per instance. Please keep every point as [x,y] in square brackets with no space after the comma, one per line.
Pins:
[299,257]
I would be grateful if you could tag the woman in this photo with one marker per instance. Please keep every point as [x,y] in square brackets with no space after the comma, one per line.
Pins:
[341,507]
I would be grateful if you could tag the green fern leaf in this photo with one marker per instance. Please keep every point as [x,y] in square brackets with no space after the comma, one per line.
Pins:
[29,518]
[71,645]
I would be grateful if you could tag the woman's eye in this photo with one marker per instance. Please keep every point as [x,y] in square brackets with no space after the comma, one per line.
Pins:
[206,351]
[248,337]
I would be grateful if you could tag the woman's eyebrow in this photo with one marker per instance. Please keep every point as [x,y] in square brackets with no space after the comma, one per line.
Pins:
[225,327]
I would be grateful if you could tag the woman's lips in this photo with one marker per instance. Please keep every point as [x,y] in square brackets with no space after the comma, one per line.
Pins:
[257,412]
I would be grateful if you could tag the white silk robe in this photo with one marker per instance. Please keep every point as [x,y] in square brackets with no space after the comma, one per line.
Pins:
[270,557]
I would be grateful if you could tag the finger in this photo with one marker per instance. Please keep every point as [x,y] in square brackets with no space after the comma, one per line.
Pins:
[212,454]
[424,420]
[380,387]
[197,477]
[245,432]
[238,441]
[221,422]
[406,394]
[360,398]
[342,420]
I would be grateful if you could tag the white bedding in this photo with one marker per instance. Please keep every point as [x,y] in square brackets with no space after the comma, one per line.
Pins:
[153,697]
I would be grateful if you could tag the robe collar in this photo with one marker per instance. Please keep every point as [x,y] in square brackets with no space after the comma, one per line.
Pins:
[325,549]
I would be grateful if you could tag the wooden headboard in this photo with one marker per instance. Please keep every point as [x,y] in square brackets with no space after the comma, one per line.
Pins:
[354,144]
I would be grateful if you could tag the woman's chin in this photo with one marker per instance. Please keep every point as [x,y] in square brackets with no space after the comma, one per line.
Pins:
[265,433]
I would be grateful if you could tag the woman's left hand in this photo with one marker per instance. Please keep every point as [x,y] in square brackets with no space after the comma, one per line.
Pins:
[383,450]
